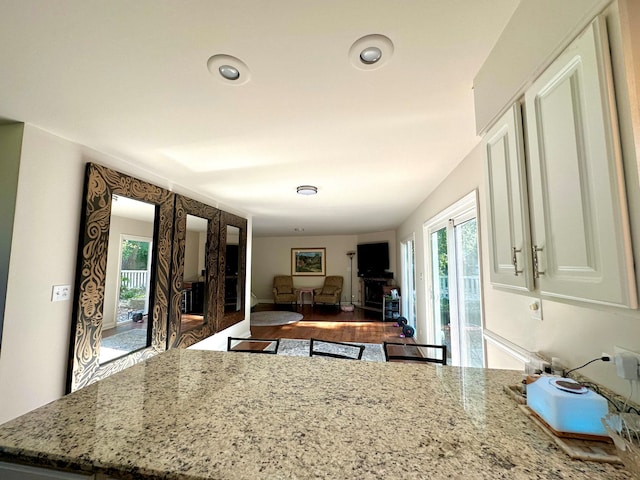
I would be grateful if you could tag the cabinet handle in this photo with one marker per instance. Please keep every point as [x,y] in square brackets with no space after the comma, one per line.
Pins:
[536,270]
[514,260]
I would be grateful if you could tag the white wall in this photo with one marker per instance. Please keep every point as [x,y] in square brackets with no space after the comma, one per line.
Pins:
[537,31]
[194,250]
[574,332]
[45,238]
[33,359]
[465,178]
[272,256]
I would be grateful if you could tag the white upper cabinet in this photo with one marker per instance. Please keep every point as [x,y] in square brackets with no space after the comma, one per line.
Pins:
[579,222]
[508,217]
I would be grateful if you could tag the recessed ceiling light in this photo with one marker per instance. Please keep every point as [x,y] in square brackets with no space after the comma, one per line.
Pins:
[370,55]
[307,190]
[371,52]
[228,69]
[229,72]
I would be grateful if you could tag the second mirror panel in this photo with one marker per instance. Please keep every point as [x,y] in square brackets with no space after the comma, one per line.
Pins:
[233,254]
[193,306]
[232,287]
[194,278]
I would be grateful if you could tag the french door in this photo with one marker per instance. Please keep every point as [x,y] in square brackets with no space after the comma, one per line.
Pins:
[134,275]
[408,293]
[453,283]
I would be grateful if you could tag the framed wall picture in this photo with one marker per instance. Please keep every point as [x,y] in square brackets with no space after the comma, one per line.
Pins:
[308,262]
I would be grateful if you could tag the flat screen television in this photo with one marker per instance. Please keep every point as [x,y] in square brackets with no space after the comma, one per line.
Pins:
[373,259]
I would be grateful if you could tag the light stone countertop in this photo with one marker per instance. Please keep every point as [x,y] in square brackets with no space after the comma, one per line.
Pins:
[189,414]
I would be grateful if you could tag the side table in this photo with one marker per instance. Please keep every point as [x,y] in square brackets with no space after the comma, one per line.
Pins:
[302,291]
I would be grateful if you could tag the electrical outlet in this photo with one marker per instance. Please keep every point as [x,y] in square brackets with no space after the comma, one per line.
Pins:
[60,293]
[535,310]
[622,352]
[619,350]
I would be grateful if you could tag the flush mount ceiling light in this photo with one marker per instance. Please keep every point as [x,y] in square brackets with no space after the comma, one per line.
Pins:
[228,69]
[307,190]
[371,52]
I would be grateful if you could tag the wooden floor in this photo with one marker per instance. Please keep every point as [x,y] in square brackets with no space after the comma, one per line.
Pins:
[328,323]
[124,327]
[323,322]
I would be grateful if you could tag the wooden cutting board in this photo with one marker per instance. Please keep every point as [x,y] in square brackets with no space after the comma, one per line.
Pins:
[592,450]
[579,449]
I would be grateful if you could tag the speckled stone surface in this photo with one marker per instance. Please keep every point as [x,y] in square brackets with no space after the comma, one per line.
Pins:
[189,414]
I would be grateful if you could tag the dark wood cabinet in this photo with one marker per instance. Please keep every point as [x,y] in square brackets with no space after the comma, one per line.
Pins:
[231,293]
[193,297]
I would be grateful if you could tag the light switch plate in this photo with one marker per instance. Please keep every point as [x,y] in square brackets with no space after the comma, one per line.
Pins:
[60,293]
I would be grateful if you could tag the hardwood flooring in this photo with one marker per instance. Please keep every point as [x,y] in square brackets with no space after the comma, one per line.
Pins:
[124,327]
[327,323]
[324,322]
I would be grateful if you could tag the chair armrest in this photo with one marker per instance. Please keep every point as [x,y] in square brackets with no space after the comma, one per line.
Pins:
[316,291]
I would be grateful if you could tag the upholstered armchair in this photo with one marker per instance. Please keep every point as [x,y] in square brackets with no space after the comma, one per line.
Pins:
[330,292]
[283,291]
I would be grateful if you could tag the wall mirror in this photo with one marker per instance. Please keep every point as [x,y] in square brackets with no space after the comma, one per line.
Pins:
[122,277]
[127,290]
[233,255]
[194,276]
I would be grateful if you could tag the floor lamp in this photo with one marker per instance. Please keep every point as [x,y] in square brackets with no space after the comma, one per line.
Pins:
[351,254]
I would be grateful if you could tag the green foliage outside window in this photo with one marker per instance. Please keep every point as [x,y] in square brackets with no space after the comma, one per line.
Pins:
[127,293]
[135,256]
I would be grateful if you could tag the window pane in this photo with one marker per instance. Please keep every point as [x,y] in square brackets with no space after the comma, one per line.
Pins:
[441,314]
[470,321]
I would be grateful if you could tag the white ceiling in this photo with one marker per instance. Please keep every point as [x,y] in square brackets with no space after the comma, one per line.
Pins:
[130,78]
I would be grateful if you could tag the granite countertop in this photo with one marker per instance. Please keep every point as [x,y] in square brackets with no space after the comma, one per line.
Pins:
[192,414]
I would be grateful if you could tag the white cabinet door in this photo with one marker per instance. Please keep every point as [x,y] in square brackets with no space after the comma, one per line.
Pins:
[580,229]
[507,205]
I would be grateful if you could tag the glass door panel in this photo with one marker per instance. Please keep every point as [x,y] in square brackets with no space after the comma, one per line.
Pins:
[469,311]
[440,272]
[408,293]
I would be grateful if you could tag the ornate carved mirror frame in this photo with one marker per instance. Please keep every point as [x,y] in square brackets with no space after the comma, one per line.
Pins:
[228,318]
[178,336]
[101,184]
